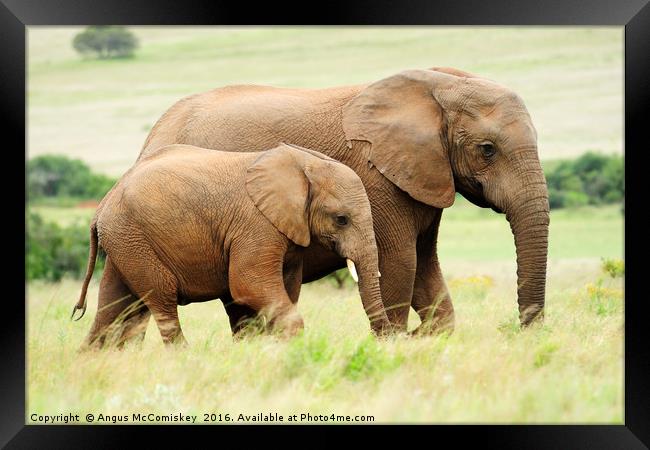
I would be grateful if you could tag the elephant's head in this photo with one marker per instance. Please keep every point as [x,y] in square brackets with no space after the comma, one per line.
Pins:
[306,196]
[435,132]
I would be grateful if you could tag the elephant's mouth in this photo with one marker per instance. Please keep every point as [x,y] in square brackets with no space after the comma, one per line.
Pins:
[473,196]
[474,193]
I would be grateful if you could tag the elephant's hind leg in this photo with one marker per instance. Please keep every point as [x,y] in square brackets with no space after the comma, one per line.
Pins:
[135,326]
[160,297]
[120,316]
[156,287]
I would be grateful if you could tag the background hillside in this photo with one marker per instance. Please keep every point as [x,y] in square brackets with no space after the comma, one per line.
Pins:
[101,110]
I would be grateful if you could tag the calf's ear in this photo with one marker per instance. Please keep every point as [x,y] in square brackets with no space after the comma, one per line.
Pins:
[279,188]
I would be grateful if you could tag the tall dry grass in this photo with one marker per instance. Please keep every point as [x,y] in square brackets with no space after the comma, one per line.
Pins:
[569,370]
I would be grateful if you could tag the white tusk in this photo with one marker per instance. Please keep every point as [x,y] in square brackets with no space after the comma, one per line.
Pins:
[378,274]
[353,270]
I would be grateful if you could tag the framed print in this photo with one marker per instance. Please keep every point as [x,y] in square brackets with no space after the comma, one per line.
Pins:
[383,216]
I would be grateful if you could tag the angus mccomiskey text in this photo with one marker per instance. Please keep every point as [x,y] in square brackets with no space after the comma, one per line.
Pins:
[195,418]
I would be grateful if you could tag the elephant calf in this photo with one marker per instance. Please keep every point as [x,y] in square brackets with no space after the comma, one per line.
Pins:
[190,224]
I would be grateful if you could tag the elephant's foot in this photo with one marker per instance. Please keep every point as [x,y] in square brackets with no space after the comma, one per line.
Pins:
[286,322]
[433,328]
[176,341]
[249,327]
[383,329]
[244,320]
[94,343]
[436,319]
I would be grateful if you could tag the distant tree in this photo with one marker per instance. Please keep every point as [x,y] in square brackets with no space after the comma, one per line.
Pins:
[105,42]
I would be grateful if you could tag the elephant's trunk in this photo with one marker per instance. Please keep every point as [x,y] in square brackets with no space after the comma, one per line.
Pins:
[367,267]
[529,220]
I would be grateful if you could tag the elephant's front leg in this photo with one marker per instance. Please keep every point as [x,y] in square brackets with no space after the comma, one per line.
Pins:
[397,264]
[257,281]
[292,275]
[431,299]
[241,316]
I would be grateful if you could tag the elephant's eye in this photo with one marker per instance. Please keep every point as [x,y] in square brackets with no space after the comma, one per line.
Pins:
[487,149]
[341,220]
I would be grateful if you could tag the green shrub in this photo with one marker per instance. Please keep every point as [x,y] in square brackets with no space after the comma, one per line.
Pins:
[305,352]
[544,353]
[105,42]
[591,179]
[573,199]
[59,176]
[369,360]
[604,300]
[555,198]
[53,251]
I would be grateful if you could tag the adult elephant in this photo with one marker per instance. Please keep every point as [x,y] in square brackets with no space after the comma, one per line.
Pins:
[415,139]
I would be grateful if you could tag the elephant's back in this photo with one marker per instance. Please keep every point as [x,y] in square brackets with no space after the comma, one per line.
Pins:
[244,118]
[187,173]
[182,156]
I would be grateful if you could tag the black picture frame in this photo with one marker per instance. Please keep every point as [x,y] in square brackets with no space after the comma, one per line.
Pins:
[634,15]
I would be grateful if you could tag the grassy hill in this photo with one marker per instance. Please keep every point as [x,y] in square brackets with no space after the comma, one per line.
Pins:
[101,111]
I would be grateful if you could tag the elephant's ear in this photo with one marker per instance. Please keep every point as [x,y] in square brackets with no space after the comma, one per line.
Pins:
[278,186]
[404,124]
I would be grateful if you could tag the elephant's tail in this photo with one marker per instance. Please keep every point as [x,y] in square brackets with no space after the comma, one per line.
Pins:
[81,304]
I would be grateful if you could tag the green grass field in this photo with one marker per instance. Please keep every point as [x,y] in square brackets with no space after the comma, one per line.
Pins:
[570,370]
